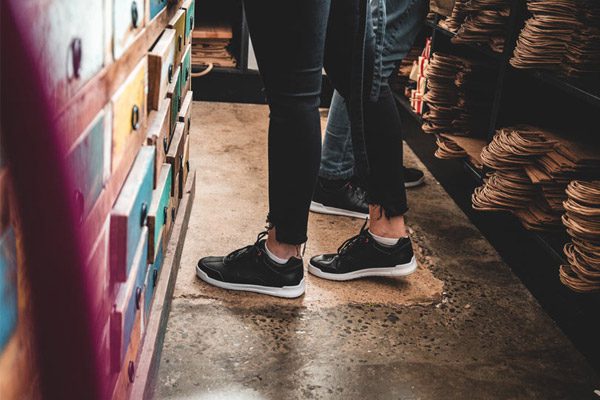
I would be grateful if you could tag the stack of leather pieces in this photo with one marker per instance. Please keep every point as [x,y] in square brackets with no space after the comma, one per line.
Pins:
[210,45]
[455,20]
[582,221]
[486,23]
[509,187]
[458,95]
[562,35]
[456,147]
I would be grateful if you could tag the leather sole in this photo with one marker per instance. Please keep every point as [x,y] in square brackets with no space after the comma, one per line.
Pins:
[398,270]
[288,292]
[323,209]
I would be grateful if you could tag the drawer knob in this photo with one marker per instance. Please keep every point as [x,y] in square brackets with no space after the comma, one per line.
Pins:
[154,277]
[178,102]
[187,165]
[76,57]
[189,125]
[181,161]
[135,118]
[187,73]
[144,214]
[138,297]
[173,213]
[180,42]
[191,22]
[165,213]
[170,73]
[131,371]
[134,14]
[165,144]
[79,204]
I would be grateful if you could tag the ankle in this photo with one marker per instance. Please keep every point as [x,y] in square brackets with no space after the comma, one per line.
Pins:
[385,227]
[280,250]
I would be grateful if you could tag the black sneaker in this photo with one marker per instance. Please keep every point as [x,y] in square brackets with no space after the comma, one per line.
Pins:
[413,177]
[361,256]
[250,269]
[339,199]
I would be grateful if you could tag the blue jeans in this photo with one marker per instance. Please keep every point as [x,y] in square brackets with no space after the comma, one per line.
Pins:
[395,24]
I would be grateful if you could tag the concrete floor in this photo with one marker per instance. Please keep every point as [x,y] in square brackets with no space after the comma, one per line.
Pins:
[461,327]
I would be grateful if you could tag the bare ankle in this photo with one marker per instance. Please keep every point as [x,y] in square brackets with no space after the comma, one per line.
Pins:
[282,250]
[383,226]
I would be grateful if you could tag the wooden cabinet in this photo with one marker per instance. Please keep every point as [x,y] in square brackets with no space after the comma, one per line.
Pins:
[129,215]
[161,68]
[128,21]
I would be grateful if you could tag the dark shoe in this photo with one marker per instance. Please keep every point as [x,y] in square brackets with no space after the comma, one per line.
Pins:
[413,177]
[250,269]
[361,256]
[343,199]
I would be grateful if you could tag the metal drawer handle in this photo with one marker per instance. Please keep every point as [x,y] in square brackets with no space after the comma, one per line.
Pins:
[189,125]
[187,74]
[191,22]
[178,102]
[144,214]
[173,213]
[180,42]
[131,371]
[187,165]
[165,144]
[76,55]
[80,205]
[134,14]
[165,213]
[138,297]
[170,73]
[154,277]
[135,118]
[181,161]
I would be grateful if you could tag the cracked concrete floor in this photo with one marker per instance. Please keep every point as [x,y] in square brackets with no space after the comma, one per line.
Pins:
[462,326]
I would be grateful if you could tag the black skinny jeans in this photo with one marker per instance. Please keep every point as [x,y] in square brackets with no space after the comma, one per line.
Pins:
[292,40]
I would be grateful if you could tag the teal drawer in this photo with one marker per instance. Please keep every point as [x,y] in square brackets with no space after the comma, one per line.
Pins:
[190,7]
[174,93]
[186,71]
[89,164]
[129,215]
[127,304]
[155,7]
[158,215]
[8,286]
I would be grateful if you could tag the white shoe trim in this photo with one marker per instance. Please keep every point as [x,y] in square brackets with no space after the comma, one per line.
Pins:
[398,270]
[289,292]
[322,209]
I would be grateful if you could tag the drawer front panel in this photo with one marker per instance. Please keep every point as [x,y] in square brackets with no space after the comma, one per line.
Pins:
[68,42]
[158,136]
[186,71]
[159,210]
[128,21]
[129,110]
[8,286]
[178,23]
[176,195]
[155,7]
[98,264]
[88,163]
[127,304]
[129,215]
[129,366]
[185,166]
[161,68]
[152,280]
[186,112]
[190,7]
[175,153]
[174,93]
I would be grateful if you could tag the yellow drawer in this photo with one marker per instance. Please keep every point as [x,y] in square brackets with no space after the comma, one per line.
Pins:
[161,68]
[129,110]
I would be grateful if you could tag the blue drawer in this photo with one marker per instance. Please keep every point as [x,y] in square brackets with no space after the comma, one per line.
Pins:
[130,213]
[156,6]
[128,302]
[190,8]
[8,286]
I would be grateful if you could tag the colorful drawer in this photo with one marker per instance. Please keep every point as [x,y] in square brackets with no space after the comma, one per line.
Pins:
[128,21]
[175,153]
[178,23]
[161,68]
[186,70]
[129,365]
[129,110]
[158,135]
[185,165]
[127,304]
[158,215]
[152,280]
[154,8]
[174,93]
[8,286]
[190,7]
[99,267]
[129,215]
[70,41]
[89,163]
[186,112]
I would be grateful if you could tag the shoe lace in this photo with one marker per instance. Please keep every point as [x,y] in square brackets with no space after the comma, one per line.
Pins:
[251,249]
[350,243]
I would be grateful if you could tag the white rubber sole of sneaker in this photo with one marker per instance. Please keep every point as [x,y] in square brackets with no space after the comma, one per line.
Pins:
[288,292]
[413,184]
[398,270]
[322,209]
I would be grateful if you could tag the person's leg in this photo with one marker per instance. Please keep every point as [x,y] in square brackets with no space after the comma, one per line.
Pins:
[288,39]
